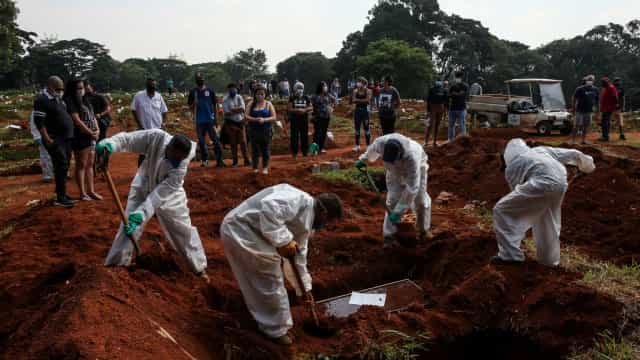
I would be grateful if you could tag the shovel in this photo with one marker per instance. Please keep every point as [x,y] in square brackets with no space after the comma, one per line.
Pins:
[103,166]
[301,285]
[373,185]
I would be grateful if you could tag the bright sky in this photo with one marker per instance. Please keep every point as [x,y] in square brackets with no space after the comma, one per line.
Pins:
[212,30]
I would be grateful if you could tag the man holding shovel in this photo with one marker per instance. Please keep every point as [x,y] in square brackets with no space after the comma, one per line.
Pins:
[270,227]
[157,189]
[406,168]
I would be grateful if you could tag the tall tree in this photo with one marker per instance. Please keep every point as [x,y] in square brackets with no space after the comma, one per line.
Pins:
[247,64]
[13,40]
[308,67]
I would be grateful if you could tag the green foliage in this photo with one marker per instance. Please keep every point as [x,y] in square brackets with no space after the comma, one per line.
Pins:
[353,176]
[12,40]
[247,64]
[608,347]
[308,67]
[396,345]
[410,67]
[214,74]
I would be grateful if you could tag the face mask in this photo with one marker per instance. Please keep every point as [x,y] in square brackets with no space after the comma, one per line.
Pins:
[174,163]
[260,97]
[325,89]
[458,80]
[200,82]
[80,93]
[359,85]
[589,83]
[59,94]
[300,91]
[233,93]
[151,88]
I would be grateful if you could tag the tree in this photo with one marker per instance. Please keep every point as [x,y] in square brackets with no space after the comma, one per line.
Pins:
[247,64]
[308,67]
[410,67]
[132,74]
[13,41]
[214,73]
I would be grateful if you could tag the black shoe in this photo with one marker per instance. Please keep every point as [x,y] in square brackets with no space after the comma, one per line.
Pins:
[603,139]
[235,165]
[66,203]
[247,163]
[496,260]
[221,165]
[622,137]
[73,201]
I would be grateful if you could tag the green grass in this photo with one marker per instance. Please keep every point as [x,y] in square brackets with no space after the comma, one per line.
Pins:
[19,154]
[395,345]
[352,176]
[608,347]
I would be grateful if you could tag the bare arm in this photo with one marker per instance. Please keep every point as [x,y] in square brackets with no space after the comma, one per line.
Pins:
[79,123]
[272,110]
[45,136]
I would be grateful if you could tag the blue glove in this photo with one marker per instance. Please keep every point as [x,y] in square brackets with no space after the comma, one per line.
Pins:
[38,142]
[314,149]
[135,220]
[360,164]
[395,217]
[104,148]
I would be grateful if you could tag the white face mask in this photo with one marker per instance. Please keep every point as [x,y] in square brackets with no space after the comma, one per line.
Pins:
[589,83]
[325,89]
[458,80]
[359,84]
[59,94]
[259,97]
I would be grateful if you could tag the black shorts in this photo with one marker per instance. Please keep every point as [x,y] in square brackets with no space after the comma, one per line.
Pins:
[81,142]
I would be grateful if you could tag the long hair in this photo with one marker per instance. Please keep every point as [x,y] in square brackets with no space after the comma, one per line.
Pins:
[71,93]
[259,87]
[320,88]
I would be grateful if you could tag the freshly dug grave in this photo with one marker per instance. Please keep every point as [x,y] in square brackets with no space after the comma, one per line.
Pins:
[58,301]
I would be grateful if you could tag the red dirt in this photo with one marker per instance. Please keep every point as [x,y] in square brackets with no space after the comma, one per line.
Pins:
[58,301]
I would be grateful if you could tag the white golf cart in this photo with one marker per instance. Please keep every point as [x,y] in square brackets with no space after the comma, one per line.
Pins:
[530,104]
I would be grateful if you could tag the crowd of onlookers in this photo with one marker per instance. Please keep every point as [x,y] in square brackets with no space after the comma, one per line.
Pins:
[68,119]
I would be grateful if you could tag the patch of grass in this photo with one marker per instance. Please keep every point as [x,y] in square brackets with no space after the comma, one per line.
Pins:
[608,347]
[480,211]
[6,231]
[396,345]
[352,176]
[19,154]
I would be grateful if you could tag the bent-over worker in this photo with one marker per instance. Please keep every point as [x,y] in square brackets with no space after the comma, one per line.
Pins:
[406,168]
[157,189]
[273,224]
[538,180]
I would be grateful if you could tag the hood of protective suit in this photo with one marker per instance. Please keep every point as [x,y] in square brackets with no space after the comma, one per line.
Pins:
[515,148]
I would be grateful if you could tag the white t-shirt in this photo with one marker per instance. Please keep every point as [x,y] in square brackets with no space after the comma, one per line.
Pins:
[149,110]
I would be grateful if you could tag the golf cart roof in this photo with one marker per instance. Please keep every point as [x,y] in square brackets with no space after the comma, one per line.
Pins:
[538,81]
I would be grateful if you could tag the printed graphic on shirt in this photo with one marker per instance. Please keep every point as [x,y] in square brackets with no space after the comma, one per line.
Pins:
[386,101]
[300,103]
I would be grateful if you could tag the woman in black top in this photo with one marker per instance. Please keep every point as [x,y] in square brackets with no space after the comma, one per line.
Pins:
[86,132]
[321,102]
[361,97]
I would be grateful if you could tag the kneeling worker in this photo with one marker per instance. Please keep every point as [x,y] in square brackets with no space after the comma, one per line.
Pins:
[273,224]
[538,179]
[406,171]
[157,189]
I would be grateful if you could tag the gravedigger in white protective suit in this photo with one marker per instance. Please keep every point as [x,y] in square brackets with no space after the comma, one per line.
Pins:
[157,189]
[406,168]
[273,225]
[538,180]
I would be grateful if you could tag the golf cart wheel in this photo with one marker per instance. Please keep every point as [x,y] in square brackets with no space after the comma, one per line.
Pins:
[544,128]
[567,128]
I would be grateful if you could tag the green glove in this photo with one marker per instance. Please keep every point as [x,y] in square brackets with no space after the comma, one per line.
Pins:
[104,148]
[135,220]
[395,217]
[314,149]
[360,164]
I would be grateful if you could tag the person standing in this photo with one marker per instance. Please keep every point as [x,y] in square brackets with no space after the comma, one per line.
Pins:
[157,190]
[336,89]
[45,159]
[375,94]
[361,97]
[437,102]
[234,107]
[274,90]
[321,117]
[298,115]
[608,105]
[285,90]
[621,108]
[85,135]
[270,228]
[149,109]
[389,102]
[585,99]
[204,104]
[101,108]
[458,94]
[476,87]
[260,114]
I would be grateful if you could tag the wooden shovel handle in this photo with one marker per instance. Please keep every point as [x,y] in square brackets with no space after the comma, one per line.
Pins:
[301,284]
[123,216]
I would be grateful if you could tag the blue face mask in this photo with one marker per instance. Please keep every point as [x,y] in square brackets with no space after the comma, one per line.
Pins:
[174,163]
[233,93]
[300,92]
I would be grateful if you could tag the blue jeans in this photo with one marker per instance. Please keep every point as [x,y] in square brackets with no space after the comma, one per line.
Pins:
[203,130]
[457,118]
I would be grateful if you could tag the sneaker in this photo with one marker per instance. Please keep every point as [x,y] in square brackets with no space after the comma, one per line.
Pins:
[622,137]
[64,202]
[255,171]
[356,148]
[603,139]
[323,151]
[235,165]
[265,171]
[388,242]
[73,201]
[247,163]
[95,196]
[47,180]
[221,165]
[497,260]
[86,197]
[204,163]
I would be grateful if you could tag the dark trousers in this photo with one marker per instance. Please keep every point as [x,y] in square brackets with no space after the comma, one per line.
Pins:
[606,124]
[103,126]
[299,134]
[320,128]
[60,152]
[434,123]
[235,132]
[388,124]
[361,119]
[202,131]
[260,146]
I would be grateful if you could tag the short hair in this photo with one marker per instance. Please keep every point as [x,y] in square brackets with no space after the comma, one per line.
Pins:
[332,204]
[55,81]
[199,74]
[181,143]
[459,74]
[232,85]
[362,80]
[389,79]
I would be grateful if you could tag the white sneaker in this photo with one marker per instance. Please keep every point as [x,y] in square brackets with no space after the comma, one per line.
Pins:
[255,171]
[356,148]
[265,171]
[323,151]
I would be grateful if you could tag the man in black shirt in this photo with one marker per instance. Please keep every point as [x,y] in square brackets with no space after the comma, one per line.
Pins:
[388,104]
[102,110]
[298,113]
[620,109]
[56,127]
[458,93]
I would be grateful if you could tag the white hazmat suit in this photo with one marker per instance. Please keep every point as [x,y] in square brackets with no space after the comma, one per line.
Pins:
[45,158]
[157,189]
[251,235]
[406,181]
[538,180]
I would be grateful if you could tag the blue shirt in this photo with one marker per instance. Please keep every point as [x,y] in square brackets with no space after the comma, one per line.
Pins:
[207,105]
